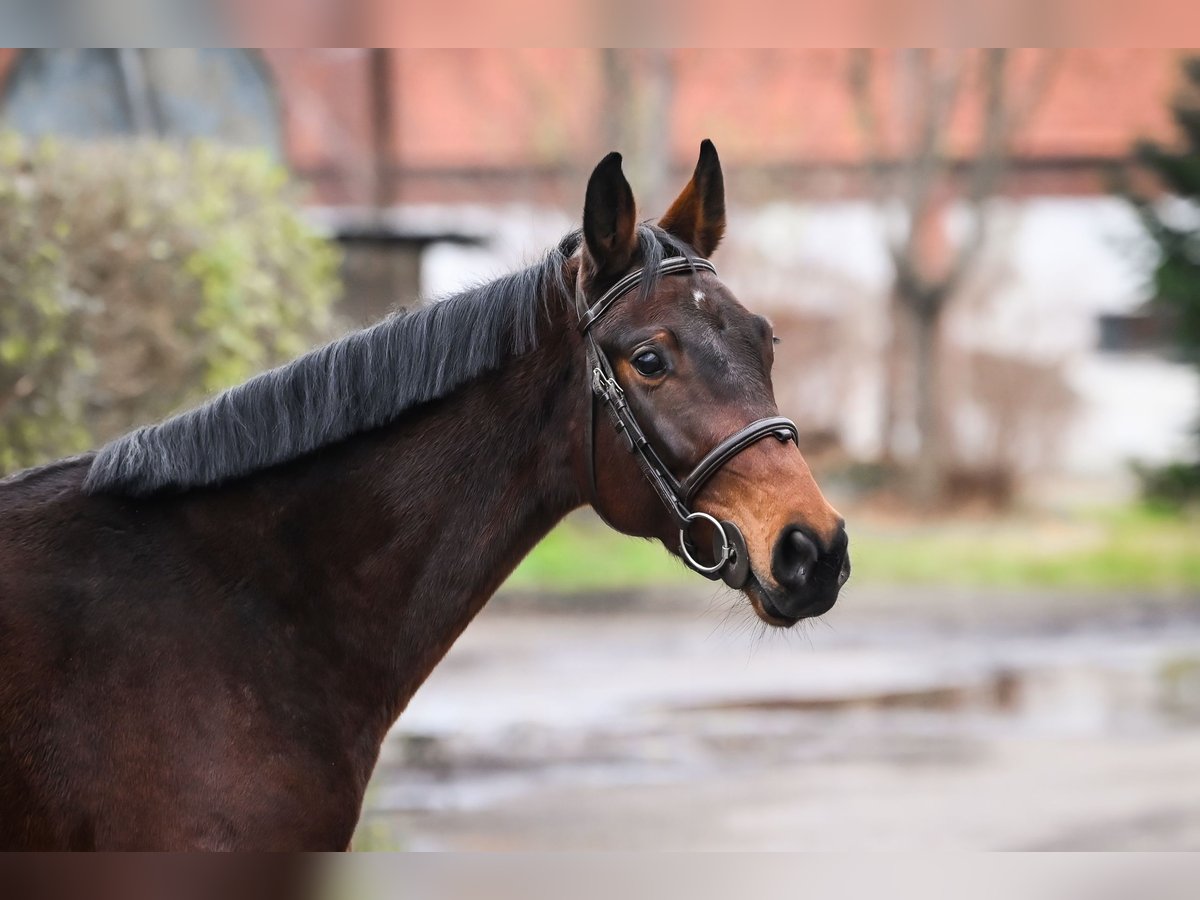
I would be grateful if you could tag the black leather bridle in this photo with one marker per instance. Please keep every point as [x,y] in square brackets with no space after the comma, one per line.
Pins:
[732,563]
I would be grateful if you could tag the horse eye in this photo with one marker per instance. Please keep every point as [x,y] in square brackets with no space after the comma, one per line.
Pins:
[776,340]
[650,362]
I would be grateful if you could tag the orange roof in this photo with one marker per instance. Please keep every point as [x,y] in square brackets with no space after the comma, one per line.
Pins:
[498,108]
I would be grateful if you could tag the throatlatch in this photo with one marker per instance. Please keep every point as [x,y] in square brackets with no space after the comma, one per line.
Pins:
[731,560]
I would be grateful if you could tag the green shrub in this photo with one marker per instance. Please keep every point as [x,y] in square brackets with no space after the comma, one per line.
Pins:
[1176,276]
[1175,486]
[136,278]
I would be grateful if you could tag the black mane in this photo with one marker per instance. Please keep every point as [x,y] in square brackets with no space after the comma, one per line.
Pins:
[362,381]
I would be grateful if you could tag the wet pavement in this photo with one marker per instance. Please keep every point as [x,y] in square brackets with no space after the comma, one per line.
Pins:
[909,721]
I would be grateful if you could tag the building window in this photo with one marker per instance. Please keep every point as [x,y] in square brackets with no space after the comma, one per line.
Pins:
[1134,333]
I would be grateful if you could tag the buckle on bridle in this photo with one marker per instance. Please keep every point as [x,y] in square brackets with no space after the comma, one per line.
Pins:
[604,387]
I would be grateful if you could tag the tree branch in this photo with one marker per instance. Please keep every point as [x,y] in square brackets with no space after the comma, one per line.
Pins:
[859,77]
[928,160]
[1002,120]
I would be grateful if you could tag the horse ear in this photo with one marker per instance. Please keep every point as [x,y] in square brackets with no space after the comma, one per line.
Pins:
[609,217]
[698,214]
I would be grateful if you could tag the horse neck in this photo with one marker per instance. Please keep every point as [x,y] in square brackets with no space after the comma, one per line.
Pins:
[396,538]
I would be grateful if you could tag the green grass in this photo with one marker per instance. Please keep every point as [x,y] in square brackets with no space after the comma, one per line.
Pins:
[584,554]
[1103,549]
[1119,549]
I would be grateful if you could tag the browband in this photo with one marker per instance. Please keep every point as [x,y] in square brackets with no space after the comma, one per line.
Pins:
[672,266]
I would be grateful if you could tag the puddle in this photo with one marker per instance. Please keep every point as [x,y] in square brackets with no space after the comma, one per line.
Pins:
[1000,692]
[1179,679]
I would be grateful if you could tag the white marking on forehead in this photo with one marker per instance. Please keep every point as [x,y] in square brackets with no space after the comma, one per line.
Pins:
[698,296]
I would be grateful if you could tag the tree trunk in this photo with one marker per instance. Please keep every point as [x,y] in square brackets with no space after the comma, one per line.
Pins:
[655,130]
[639,88]
[380,73]
[928,474]
[618,86]
[895,378]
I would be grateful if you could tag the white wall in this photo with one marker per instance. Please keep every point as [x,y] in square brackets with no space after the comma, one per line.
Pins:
[1054,265]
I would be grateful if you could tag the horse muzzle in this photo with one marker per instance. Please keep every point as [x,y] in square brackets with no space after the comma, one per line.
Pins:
[808,574]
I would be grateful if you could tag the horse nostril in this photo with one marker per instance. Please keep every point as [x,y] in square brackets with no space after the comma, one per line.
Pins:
[794,558]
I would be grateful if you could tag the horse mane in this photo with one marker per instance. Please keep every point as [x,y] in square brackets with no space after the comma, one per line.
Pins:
[362,381]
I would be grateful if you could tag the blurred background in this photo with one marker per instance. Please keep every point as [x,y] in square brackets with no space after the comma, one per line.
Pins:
[985,270]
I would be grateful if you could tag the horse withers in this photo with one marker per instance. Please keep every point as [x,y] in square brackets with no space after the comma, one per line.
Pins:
[208,626]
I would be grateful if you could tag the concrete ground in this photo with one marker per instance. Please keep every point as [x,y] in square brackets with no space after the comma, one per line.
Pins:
[907,720]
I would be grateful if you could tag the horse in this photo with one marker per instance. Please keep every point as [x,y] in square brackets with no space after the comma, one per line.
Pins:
[208,626]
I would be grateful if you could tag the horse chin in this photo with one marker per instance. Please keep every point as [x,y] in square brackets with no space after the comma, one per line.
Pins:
[760,601]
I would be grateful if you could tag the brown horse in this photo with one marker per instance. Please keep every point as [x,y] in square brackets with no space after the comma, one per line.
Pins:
[207,627]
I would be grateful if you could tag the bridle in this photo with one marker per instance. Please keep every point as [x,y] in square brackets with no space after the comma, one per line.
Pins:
[729,546]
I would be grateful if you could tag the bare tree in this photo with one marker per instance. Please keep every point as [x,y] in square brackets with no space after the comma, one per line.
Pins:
[905,103]
[638,88]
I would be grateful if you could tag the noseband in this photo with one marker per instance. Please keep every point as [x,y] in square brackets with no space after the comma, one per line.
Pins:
[732,563]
